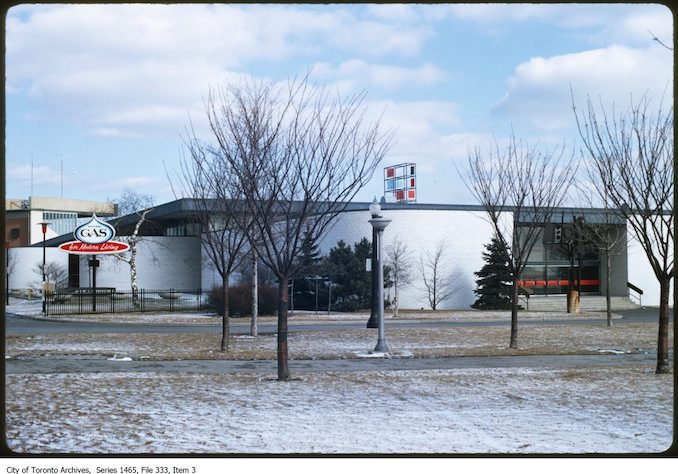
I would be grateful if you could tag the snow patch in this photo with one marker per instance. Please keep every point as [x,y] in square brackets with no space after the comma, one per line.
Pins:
[116,358]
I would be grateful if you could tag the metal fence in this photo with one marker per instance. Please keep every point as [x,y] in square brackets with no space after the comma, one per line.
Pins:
[110,300]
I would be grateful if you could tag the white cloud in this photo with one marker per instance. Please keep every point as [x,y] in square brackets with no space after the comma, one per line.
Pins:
[97,64]
[380,75]
[639,26]
[602,24]
[458,145]
[36,175]
[623,23]
[111,132]
[539,90]
[420,130]
[394,11]
[498,12]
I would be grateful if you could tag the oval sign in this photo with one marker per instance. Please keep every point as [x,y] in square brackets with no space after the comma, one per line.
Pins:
[94,231]
[80,248]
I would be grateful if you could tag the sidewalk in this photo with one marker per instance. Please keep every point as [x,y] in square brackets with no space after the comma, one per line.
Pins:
[33,309]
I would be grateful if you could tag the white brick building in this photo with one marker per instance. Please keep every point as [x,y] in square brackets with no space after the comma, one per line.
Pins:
[170,255]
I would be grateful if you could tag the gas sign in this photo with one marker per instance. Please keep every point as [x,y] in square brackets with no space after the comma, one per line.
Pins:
[94,237]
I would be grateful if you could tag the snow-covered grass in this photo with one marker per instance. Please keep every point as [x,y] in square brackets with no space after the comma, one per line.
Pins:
[490,410]
[603,410]
[343,343]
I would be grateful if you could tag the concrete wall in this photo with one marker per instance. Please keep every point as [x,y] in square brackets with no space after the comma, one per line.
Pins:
[463,233]
[162,263]
[25,262]
[618,262]
[640,274]
[35,229]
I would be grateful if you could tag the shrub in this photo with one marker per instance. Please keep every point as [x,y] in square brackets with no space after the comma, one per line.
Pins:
[240,300]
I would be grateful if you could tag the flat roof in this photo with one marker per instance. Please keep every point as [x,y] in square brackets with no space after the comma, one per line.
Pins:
[186,206]
[82,207]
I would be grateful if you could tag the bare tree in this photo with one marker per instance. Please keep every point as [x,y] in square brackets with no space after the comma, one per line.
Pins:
[437,281]
[518,187]
[133,202]
[631,159]
[607,233]
[54,272]
[399,261]
[575,246]
[204,179]
[10,264]
[299,155]
[255,292]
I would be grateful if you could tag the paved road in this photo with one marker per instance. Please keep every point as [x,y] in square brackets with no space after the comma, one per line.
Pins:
[17,325]
[101,365]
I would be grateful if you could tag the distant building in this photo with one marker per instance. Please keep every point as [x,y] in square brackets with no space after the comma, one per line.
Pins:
[170,254]
[23,229]
[23,217]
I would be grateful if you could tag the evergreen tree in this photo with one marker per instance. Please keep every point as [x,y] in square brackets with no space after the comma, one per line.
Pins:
[494,279]
[362,279]
[307,269]
[351,283]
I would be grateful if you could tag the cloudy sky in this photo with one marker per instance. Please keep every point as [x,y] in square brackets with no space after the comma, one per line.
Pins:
[98,96]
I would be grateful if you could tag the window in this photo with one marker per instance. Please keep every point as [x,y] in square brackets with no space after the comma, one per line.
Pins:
[61,222]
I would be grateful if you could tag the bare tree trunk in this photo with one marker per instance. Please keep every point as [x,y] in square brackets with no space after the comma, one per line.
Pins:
[434,303]
[283,299]
[513,344]
[608,300]
[663,339]
[225,329]
[255,293]
[133,276]
[395,300]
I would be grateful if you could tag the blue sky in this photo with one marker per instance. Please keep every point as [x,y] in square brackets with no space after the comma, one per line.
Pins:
[104,92]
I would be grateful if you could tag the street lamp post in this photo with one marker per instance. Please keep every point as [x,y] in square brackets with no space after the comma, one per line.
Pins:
[44,225]
[373,322]
[379,224]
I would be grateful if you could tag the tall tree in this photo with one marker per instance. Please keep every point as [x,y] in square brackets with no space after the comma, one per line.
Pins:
[631,162]
[133,202]
[518,187]
[352,285]
[605,233]
[437,280]
[494,279]
[299,154]
[306,274]
[399,263]
[339,263]
[223,238]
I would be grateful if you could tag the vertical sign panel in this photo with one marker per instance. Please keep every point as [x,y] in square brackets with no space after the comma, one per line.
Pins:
[399,182]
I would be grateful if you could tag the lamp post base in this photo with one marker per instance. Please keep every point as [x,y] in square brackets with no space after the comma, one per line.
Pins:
[381,347]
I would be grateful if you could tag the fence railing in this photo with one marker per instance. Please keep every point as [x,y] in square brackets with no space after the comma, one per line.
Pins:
[110,300]
[635,298]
